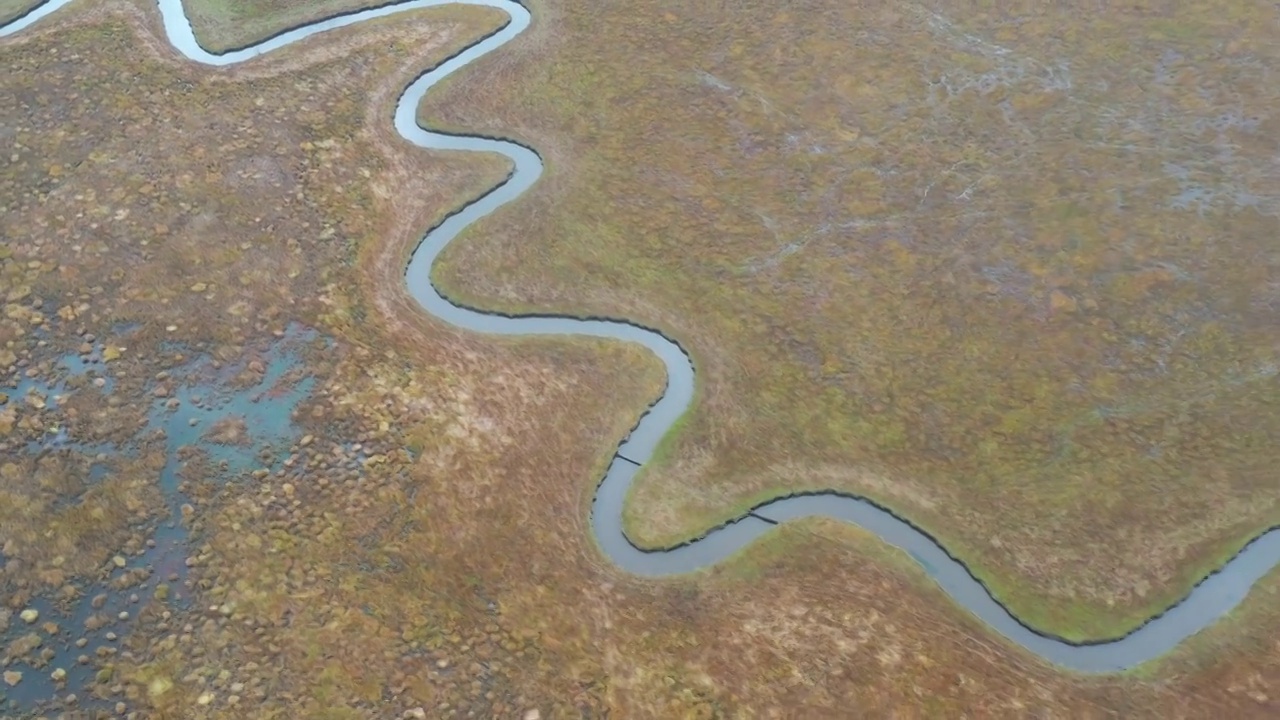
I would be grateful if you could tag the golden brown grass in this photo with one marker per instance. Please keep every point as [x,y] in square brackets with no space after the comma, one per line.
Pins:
[1008,271]
[339,594]
[57,526]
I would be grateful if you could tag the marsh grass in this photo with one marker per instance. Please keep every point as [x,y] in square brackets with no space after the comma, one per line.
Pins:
[340,585]
[59,526]
[1005,270]
[222,25]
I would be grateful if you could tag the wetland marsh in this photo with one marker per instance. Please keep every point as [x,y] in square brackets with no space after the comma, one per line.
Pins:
[440,410]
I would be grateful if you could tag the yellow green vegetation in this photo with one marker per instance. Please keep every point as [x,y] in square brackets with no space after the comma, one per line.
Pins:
[59,526]
[1010,272]
[10,9]
[222,25]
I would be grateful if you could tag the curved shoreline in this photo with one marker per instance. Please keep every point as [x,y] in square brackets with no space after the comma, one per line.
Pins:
[1211,598]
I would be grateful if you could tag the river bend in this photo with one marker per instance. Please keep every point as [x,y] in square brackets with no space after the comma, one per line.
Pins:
[1212,598]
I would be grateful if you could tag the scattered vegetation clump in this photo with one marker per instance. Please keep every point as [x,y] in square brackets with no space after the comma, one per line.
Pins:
[1006,269]
[422,548]
[222,25]
[59,524]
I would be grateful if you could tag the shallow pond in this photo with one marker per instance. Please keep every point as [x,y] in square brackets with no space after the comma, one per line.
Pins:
[202,396]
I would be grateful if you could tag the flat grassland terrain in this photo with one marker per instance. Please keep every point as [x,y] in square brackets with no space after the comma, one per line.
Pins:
[448,573]
[1012,273]
[10,9]
[222,25]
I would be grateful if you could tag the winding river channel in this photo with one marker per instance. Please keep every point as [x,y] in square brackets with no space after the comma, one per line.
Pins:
[1213,597]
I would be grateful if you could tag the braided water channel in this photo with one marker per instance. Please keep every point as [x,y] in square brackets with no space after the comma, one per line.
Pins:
[1208,601]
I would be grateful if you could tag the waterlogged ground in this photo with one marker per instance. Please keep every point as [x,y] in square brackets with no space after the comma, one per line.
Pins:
[76,570]
[1009,270]
[151,277]
[414,543]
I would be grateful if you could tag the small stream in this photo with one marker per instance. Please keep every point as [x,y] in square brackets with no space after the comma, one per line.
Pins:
[1212,598]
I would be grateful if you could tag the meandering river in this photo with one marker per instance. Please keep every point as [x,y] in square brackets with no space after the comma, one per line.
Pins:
[1213,597]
